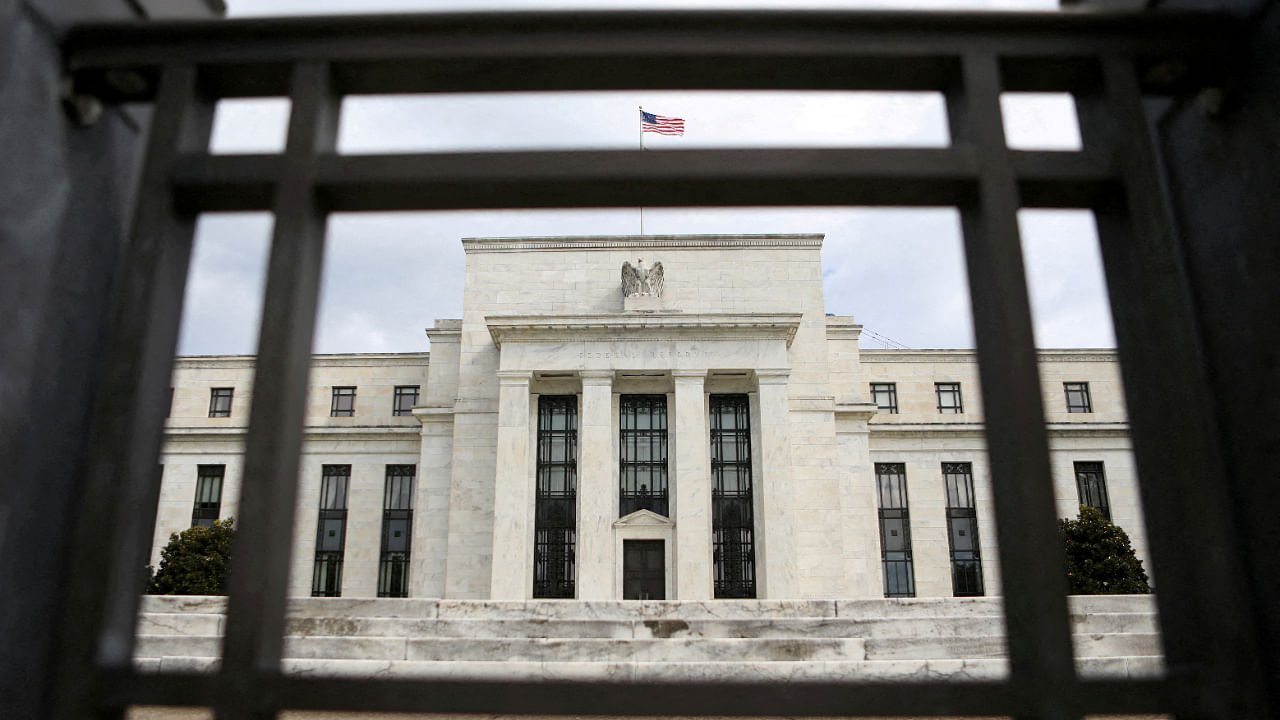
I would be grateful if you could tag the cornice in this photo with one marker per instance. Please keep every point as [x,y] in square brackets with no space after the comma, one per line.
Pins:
[628,242]
[311,432]
[641,327]
[1053,430]
[191,362]
[971,356]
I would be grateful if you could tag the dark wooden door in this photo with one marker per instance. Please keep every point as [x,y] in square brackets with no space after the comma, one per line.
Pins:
[644,574]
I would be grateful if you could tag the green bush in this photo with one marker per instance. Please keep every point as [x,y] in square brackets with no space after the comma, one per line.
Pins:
[195,561]
[1100,559]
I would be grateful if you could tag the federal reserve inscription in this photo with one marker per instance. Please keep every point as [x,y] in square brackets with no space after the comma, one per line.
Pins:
[653,354]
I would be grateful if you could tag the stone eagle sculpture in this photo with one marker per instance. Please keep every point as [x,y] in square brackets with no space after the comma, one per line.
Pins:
[636,280]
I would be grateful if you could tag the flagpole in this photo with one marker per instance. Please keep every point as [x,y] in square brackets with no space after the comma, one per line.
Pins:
[641,150]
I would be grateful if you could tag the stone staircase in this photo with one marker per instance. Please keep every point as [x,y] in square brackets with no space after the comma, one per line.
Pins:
[769,640]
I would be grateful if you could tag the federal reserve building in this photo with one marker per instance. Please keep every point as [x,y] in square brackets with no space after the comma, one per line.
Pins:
[651,417]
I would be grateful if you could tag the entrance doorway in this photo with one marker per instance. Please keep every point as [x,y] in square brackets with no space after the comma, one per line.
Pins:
[644,574]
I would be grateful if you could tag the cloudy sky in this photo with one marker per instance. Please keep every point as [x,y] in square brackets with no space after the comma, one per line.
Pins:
[899,272]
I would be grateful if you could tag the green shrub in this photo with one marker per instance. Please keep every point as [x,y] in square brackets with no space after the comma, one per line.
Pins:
[195,561]
[1100,559]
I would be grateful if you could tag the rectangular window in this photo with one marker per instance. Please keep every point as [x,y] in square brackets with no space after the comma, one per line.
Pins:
[556,504]
[343,403]
[220,402]
[885,396]
[1078,397]
[1091,484]
[895,531]
[732,514]
[642,454]
[397,532]
[962,530]
[208,501]
[405,399]
[331,531]
[949,402]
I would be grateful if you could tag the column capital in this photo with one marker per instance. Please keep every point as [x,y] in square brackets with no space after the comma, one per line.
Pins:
[596,377]
[514,377]
[772,376]
[687,375]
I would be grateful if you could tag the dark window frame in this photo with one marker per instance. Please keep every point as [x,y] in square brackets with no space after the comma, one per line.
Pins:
[643,445]
[1078,398]
[331,522]
[220,401]
[207,506]
[949,391]
[890,390]
[556,498]
[397,517]
[1091,486]
[342,401]
[732,503]
[398,405]
[962,521]
[891,494]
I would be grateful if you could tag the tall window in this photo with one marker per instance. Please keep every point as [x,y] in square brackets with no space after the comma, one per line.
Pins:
[555,512]
[885,396]
[406,398]
[220,402]
[895,531]
[331,531]
[1091,484]
[397,532]
[642,453]
[1078,397]
[962,530]
[732,516]
[343,403]
[949,402]
[208,495]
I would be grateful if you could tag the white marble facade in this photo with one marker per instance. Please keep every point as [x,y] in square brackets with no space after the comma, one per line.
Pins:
[738,315]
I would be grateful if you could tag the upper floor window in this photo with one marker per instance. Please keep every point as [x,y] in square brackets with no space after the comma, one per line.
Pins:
[220,402]
[208,503]
[405,399]
[1091,484]
[343,403]
[949,401]
[1078,397]
[885,396]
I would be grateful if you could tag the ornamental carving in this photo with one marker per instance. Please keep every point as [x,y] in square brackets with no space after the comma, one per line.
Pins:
[637,280]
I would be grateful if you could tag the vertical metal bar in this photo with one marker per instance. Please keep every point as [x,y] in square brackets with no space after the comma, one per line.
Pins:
[263,544]
[1031,556]
[1205,627]
[122,489]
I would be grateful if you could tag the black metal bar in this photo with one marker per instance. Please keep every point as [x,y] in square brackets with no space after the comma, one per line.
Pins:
[117,516]
[620,50]
[1031,558]
[264,540]
[1206,630]
[1143,696]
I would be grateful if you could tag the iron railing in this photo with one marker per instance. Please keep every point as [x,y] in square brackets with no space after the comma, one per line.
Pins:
[1108,61]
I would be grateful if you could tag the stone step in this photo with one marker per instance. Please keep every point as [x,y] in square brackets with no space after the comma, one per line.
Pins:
[878,670]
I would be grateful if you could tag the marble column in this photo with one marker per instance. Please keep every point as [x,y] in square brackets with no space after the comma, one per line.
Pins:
[512,573]
[693,565]
[596,487]
[776,523]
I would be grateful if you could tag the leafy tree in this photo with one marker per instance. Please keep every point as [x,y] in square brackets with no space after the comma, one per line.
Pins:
[195,561]
[1100,559]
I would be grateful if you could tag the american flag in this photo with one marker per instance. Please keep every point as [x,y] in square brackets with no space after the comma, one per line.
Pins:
[661,124]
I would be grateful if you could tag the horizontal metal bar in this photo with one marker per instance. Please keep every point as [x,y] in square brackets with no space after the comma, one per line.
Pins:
[901,177]
[867,50]
[562,697]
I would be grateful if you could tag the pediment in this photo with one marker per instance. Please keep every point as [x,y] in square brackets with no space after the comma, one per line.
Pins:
[643,518]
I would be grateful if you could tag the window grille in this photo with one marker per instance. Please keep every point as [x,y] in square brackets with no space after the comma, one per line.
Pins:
[219,401]
[331,531]
[397,532]
[949,402]
[1091,486]
[1078,400]
[343,403]
[895,530]
[556,505]
[1108,61]
[962,530]
[208,501]
[406,397]
[885,396]
[642,454]
[732,511]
